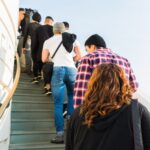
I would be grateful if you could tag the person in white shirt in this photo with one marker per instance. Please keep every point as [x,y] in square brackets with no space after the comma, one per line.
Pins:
[64,75]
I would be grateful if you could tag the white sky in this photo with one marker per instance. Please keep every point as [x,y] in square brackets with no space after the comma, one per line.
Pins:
[124,24]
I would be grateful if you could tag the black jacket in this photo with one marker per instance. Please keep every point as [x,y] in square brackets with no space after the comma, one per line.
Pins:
[42,34]
[32,27]
[113,132]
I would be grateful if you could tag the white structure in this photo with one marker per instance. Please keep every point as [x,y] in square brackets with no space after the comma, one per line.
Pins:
[8,42]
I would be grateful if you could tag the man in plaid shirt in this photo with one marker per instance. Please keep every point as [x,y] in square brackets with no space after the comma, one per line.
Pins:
[98,54]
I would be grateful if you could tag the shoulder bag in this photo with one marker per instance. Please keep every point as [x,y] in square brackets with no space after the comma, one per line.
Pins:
[48,67]
[137,132]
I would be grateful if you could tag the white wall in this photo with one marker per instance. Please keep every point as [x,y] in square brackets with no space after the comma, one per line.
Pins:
[8,41]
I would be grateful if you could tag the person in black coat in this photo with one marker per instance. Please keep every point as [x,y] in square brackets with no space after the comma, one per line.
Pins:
[43,33]
[36,18]
[30,36]
[104,121]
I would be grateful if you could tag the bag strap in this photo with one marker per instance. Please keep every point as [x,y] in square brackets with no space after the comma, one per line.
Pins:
[56,50]
[136,119]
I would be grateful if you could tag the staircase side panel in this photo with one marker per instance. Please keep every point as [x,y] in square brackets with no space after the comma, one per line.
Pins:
[8,44]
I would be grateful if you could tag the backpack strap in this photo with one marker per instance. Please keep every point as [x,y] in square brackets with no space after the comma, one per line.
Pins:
[56,50]
[136,120]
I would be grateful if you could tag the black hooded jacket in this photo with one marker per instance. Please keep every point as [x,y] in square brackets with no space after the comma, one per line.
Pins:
[113,132]
[68,40]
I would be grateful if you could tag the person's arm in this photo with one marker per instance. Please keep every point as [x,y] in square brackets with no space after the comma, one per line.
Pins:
[83,75]
[77,51]
[145,125]
[45,55]
[132,79]
[45,52]
[26,36]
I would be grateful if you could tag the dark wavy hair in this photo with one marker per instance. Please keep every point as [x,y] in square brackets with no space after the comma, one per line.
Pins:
[108,90]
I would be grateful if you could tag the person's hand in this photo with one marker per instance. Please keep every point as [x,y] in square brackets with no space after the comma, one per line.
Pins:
[24,50]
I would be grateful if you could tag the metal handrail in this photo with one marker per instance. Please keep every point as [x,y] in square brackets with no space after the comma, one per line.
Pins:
[13,89]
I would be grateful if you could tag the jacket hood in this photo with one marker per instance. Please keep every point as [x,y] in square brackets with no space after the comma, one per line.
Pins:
[68,40]
[102,123]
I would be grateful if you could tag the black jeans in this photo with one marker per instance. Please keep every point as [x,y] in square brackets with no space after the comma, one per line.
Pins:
[47,72]
[37,66]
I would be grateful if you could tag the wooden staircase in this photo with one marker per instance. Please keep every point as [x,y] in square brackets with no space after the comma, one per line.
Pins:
[32,118]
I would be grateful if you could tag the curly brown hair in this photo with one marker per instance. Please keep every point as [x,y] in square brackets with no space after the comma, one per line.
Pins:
[108,90]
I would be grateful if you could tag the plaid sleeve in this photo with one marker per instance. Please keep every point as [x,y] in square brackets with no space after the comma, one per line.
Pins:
[132,78]
[83,75]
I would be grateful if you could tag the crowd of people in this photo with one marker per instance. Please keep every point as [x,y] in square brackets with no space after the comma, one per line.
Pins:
[99,89]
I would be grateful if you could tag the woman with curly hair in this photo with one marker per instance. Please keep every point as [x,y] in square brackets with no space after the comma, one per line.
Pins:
[104,120]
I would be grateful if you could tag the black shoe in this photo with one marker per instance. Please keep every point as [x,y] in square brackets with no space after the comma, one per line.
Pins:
[47,92]
[59,139]
[35,80]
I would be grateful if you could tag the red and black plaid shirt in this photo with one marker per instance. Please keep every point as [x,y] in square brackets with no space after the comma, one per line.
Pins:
[89,62]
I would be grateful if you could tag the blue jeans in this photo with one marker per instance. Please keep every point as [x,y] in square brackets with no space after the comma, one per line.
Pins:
[62,76]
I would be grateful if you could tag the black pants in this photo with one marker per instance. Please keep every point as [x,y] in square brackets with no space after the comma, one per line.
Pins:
[47,72]
[37,66]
